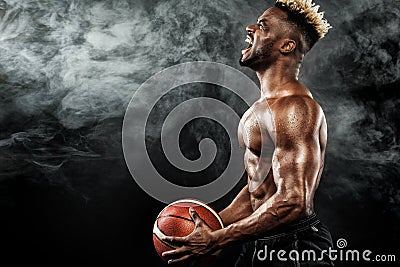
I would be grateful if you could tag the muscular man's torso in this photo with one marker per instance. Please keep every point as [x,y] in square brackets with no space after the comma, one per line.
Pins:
[257,136]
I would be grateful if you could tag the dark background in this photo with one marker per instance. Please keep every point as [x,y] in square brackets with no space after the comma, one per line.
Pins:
[69,68]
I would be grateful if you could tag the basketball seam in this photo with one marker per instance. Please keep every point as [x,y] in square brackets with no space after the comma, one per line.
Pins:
[178,217]
[165,216]
[157,231]
[203,205]
[165,243]
[175,216]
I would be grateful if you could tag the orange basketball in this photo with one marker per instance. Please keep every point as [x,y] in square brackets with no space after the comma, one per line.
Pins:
[175,220]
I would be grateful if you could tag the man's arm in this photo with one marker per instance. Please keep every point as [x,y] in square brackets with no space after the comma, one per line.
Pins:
[238,209]
[295,166]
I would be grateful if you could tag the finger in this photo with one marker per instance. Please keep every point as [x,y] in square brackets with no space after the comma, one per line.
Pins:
[183,258]
[174,252]
[173,239]
[195,216]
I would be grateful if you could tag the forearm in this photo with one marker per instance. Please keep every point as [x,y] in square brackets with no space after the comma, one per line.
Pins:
[291,171]
[238,209]
[278,210]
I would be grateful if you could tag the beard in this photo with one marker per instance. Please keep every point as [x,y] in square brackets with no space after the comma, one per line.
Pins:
[262,57]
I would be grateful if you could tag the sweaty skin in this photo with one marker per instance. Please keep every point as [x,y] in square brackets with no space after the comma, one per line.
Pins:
[297,161]
[285,117]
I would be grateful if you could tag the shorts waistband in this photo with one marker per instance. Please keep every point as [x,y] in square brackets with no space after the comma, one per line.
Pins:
[294,227]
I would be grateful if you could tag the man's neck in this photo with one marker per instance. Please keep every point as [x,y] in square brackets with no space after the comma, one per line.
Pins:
[274,81]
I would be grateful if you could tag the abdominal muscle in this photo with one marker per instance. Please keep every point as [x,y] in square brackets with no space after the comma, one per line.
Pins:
[260,178]
[263,190]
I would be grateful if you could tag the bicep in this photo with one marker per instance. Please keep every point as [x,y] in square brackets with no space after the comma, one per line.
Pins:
[293,166]
[297,149]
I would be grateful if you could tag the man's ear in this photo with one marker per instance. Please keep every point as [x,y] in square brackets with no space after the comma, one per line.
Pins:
[288,46]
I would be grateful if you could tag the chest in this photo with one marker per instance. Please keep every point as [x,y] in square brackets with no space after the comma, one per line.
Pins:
[254,129]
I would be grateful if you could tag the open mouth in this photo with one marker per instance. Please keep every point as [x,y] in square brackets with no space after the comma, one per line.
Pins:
[250,44]
[249,41]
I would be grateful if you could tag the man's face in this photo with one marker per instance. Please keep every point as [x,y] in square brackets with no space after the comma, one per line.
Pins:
[263,38]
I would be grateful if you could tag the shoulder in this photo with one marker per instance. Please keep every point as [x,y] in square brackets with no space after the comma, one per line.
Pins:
[296,103]
[299,106]
[298,115]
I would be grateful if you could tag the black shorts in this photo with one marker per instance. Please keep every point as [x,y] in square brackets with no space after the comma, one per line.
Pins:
[304,243]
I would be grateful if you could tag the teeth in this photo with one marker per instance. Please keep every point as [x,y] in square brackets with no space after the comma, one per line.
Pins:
[249,41]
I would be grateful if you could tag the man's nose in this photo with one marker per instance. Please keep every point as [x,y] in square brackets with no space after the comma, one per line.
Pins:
[250,29]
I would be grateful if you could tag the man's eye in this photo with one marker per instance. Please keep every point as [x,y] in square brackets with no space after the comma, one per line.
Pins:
[262,27]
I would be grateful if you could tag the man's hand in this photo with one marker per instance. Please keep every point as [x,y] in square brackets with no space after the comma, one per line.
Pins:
[200,242]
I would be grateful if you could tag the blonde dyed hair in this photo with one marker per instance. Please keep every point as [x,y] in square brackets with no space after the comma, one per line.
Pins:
[309,11]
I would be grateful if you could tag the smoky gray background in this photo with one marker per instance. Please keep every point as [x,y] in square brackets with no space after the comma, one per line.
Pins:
[69,68]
